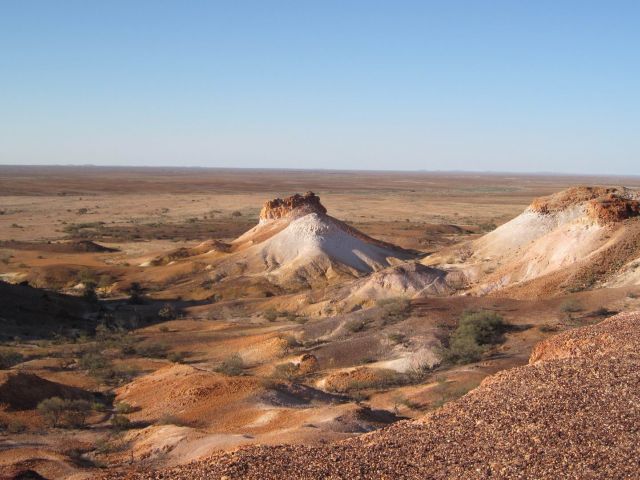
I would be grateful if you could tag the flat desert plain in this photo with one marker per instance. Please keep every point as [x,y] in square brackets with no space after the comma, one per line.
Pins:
[173,314]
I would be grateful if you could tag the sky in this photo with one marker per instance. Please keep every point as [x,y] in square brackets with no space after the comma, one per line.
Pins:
[521,86]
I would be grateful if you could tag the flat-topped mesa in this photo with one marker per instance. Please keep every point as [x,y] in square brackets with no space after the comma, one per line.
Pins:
[603,204]
[296,204]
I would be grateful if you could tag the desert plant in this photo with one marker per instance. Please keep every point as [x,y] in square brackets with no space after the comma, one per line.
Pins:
[52,409]
[167,312]
[123,407]
[570,306]
[476,330]
[547,328]
[72,413]
[168,419]
[76,412]
[271,314]
[397,337]
[120,422]
[394,309]
[152,350]
[176,357]
[9,358]
[285,371]
[602,312]
[16,425]
[355,326]
[232,366]
[136,293]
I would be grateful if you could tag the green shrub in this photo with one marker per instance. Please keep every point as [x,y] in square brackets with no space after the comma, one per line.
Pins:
[485,327]
[152,350]
[167,312]
[355,326]
[168,419]
[76,413]
[397,337]
[285,371]
[571,306]
[394,309]
[71,413]
[176,357]
[232,366]
[16,426]
[271,314]
[120,422]
[123,407]
[547,328]
[52,409]
[9,358]
[93,361]
[475,331]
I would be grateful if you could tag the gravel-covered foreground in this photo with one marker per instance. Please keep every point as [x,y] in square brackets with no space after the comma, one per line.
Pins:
[572,415]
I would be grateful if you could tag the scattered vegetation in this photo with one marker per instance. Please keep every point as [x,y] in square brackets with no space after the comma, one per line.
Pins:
[397,338]
[286,371]
[231,366]
[9,358]
[123,408]
[167,312]
[168,419]
[571,306]
[548,328]
[120,422]
[102,369]
[355,326]
[394,309]
[176,357]
[475,332]
[63,412]
[152,350]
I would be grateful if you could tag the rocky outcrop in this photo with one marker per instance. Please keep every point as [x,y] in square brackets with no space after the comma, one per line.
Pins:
[284,207]
[567,198]
[613,208]
[603,204]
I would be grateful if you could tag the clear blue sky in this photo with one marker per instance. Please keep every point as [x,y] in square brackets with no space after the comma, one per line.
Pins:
[467,85]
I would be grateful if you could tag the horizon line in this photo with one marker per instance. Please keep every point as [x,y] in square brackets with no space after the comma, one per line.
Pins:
[328,170]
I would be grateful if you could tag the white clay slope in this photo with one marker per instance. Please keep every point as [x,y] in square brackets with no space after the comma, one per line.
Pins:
[316,236]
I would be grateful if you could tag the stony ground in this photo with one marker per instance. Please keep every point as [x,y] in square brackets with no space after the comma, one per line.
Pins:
[571,415]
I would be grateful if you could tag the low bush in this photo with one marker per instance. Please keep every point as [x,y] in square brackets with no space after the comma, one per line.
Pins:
[286,371]
[476,330]
[168,419]
[397,337]
[571,306]
[355,326]
[548,328]
[394,309]
[123,408]
[15,425]
[9,358]
[176,357]
[152,350]
[231,366]
[63,412]
[271,314]
[120,422]
[167,312]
